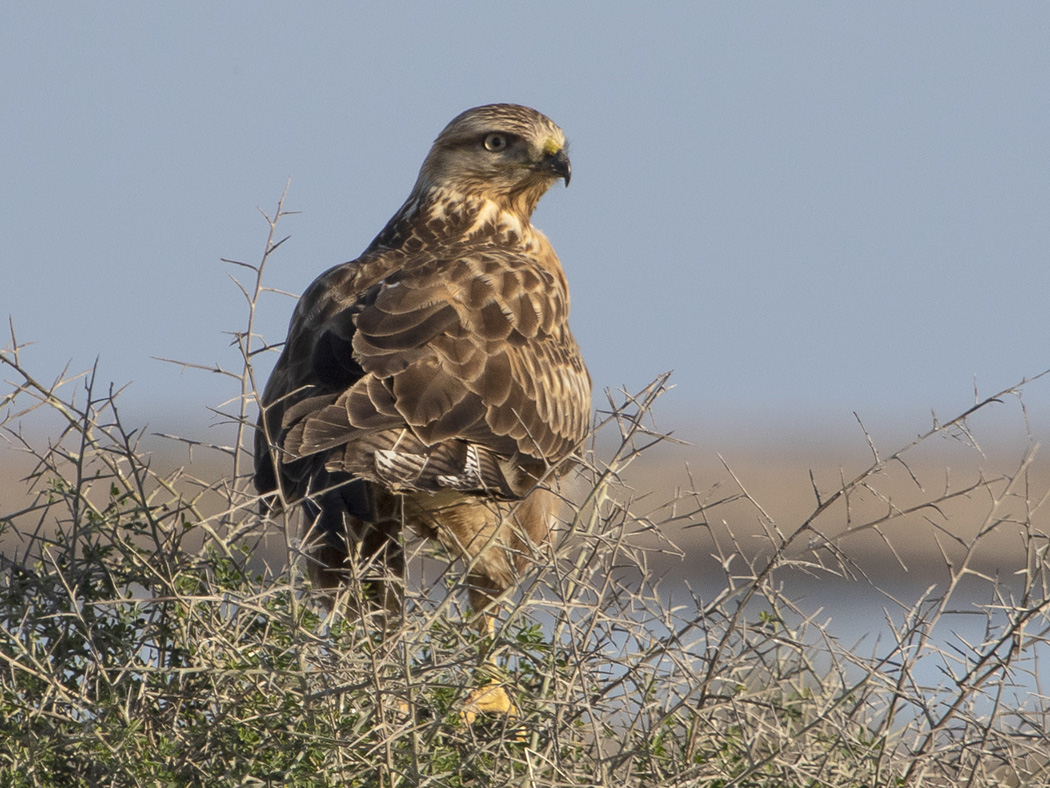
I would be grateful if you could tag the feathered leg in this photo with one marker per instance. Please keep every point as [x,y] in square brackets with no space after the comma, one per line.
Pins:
[346,550]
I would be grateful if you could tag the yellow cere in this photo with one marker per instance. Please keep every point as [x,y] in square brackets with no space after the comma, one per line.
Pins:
[550,147]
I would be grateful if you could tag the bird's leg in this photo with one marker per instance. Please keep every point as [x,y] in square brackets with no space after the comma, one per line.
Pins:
[365,560]
[492,697]
[383,560]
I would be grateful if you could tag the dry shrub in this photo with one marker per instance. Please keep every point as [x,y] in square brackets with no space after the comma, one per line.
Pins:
[143,641]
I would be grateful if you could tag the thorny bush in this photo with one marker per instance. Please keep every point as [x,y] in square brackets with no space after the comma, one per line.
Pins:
[144,640]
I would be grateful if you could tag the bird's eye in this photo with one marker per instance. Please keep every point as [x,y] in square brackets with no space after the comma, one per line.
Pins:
[495,142]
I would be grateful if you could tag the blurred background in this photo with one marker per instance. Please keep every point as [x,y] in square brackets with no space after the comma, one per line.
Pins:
[812,213]
[804,210]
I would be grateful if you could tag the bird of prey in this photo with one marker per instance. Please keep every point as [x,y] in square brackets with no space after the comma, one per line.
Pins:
[433,382]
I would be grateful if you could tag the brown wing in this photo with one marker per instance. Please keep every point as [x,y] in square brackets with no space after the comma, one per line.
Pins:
[445,374]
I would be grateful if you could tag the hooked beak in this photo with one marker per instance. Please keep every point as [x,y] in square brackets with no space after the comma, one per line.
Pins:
[558,163]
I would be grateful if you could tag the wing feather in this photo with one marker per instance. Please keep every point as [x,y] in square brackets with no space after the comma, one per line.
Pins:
[426,377]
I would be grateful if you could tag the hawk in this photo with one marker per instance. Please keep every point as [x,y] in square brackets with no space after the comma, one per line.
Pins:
[433,383]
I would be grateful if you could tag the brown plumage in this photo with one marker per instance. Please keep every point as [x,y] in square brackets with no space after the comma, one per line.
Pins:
[434,382]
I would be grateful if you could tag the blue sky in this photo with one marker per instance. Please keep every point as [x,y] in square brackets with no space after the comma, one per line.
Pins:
[805,210]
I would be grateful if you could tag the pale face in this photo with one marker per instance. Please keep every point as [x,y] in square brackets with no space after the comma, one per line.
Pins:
[506,153]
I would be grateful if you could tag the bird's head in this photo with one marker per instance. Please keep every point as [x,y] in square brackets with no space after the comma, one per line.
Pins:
[504,152]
